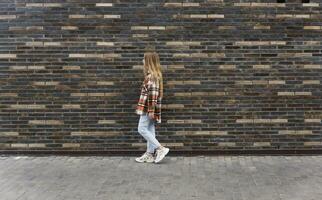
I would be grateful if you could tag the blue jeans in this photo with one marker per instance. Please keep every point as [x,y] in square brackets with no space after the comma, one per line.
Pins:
[146,128]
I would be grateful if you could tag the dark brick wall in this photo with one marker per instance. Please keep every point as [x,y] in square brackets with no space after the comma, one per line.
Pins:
[237,74]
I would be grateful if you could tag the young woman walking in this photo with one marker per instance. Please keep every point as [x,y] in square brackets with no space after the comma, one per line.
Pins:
[149,108]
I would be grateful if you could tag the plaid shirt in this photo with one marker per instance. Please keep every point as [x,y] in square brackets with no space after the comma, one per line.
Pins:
[149,101]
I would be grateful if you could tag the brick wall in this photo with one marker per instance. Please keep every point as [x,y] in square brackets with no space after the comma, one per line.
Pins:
[238,75]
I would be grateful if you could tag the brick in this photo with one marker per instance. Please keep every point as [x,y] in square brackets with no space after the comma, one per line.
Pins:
[19,145]
[252,43]
[261,144]
[172,144]
[278,120]
[216,55]
[105,43]
[303,93]
[186,121]
[35,44]
[8,133]
[312,120]
[226,27]
[173,106]
[311,82]
[172,5]
[197,133]
[18,67]
[112,16]
[180,55]
[93,55]
[310,5]
[105,83]
[191,82]
[71,106]
[215,16]
[139,28]
[34,5]
[36,145]
[76,16]
[106,121]
[192,121]
[190,4]
[276,82]
[311,43]
[258,120]
[8,55]
[69,28]
[71,67]
[44,5]
[285,93]
[45,83]
[175,121]
[94,133]
[28,28]
[77,55]
[227,67]
[52,5]
[312,27]
[36,67]
[199,55]
[181,43]
[52,44]
[312,66]
[156,27]
[168,144]
[3,17]
[196,16]
[261,66]
[70,145]
[313,143]
[254,4]
[243,82]
[27,106]
[216,93]
[262,27]
[259,82]
[7,94]
[295,132]
[140,35]
[46,122]
[292,16]
[104,4]
[178,66]
[227,144]
[244,120]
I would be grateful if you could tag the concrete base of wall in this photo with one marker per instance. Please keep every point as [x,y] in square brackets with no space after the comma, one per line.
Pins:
[171,153]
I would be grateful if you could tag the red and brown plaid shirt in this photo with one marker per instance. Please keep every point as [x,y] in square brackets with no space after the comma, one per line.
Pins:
[149,101]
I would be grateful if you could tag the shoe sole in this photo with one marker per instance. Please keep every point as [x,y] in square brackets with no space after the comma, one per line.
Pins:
[145,161]
[167,151]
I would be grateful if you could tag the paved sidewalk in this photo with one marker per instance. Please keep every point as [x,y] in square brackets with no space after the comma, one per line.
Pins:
[197,177]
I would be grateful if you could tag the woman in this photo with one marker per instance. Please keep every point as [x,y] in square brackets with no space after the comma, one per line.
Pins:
[149,108]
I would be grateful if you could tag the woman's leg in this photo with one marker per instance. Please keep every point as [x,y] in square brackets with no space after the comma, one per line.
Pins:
[144,128]
[150,146]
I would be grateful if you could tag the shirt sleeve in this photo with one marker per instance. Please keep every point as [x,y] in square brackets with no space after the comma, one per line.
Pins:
[153,93]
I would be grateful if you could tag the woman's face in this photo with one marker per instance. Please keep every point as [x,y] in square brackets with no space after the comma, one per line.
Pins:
[143,61]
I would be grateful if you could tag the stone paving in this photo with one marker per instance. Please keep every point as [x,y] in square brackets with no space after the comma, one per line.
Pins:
[191,177]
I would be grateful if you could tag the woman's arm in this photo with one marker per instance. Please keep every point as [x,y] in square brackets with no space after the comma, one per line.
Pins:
[153,93]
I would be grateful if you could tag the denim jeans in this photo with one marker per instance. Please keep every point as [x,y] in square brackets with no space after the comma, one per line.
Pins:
[146,128]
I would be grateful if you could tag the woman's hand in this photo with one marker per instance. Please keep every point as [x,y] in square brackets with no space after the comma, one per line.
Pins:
[151,115]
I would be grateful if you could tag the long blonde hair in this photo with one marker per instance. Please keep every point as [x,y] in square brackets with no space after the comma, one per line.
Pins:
[152,65]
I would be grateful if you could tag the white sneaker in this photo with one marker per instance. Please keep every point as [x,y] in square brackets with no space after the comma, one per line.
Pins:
[146,157]
[161,154]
